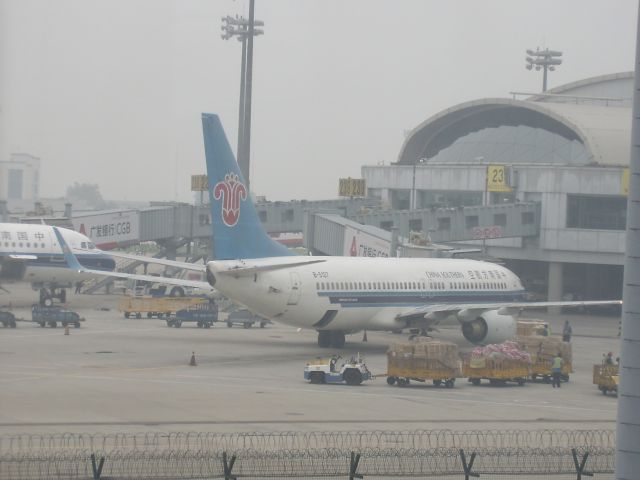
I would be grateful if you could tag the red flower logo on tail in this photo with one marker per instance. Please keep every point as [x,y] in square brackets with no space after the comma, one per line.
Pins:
[232,192]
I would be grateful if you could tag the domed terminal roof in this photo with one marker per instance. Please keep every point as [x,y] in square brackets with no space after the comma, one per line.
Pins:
[572,130]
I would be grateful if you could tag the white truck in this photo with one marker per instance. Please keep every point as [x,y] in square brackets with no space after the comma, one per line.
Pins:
[326,370]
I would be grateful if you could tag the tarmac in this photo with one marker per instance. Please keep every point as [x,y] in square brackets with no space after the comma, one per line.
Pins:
[131,375]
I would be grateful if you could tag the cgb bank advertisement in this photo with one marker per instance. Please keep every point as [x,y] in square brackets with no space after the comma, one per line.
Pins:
[110,230]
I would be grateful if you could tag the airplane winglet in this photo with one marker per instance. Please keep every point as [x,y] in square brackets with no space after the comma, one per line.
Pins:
[72,261]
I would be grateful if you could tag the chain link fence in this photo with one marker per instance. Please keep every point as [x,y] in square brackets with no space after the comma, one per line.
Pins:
[539,454]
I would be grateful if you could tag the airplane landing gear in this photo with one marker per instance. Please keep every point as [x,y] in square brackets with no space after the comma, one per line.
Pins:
[47,296]
[330,338]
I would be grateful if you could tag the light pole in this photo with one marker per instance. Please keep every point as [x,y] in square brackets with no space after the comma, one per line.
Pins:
[543,59]
[413,202]
[244,31]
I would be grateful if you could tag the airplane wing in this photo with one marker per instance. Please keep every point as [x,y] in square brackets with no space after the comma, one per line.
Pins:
[160,261]
[149,278]
[244,271]
[74,264]
[505,308]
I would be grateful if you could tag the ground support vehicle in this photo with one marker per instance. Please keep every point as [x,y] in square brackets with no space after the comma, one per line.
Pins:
[157,307]
[8,319]
[434,371]
[541,369]
[204,314]
[542,351]
[606,378]
[245,318]
[423,360]
[498,372]
[53,315]
[326,370]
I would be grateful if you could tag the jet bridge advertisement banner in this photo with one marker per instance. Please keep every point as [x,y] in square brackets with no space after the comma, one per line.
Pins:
[110,230]
[360,244]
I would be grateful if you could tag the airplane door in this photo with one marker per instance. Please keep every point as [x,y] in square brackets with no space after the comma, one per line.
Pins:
[296,287]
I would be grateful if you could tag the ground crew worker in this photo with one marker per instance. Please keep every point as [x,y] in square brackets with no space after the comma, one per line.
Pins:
[556,370]
[545,330]
[566,332]
[608,360]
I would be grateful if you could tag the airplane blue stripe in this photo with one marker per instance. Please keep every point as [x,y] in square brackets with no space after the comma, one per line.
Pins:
[56,260]
[400,299]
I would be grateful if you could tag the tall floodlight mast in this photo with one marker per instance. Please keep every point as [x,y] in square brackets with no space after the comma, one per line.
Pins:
[543,60]
[244,30]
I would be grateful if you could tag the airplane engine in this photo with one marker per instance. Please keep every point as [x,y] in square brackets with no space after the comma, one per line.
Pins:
[490,327]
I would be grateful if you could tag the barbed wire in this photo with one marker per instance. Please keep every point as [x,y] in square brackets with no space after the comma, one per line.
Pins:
[386,463]
[386,454]
[275,441]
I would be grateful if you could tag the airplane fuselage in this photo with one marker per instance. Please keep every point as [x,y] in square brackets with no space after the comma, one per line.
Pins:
[355,293]
[31,253]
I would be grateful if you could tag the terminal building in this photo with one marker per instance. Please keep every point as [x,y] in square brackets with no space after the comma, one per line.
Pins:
[566,150]
[20,181]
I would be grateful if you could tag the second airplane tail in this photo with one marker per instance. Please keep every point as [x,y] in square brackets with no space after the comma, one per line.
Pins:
[237,231]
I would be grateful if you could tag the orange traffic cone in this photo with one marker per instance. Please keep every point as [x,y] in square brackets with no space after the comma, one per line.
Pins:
[364,337]
[192,362]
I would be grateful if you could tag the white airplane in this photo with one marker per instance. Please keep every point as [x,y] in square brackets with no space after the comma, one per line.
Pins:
[340,295]
[31,253]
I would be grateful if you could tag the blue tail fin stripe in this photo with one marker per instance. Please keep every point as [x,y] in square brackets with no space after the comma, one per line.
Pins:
[70,258]
[237,230]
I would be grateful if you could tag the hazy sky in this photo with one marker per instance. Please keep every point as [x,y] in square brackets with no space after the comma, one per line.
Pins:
[111,91]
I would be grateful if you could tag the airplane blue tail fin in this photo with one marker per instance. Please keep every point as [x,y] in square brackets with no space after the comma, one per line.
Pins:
[237,231]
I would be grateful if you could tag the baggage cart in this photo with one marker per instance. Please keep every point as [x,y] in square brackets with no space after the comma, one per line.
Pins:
[496,371]
[157,307]
[245,318]
[437,373]
[606,378]
[541,369]
[423,361]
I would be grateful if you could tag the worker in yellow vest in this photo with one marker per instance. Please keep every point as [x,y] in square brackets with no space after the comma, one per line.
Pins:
[556,370]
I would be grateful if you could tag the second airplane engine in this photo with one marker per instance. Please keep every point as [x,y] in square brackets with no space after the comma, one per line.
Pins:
[489,327]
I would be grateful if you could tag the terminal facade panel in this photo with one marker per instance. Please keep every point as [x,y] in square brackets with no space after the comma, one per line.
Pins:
[568,151]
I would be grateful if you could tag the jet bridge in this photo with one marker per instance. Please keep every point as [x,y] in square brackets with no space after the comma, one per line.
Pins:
[417,232]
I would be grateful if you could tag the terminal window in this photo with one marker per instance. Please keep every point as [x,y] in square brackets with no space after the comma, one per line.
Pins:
[500,219]
[528,218]
[444,223]
[287,215]
[471,221]
[386,225]
[597,212]
[263,216]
